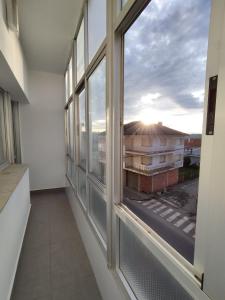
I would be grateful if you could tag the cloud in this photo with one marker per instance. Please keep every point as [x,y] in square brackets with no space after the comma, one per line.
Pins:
[165,55]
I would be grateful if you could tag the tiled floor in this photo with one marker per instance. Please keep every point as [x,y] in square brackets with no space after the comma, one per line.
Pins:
[53,264]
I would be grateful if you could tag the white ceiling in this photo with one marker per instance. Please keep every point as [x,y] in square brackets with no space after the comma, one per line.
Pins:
[47,28]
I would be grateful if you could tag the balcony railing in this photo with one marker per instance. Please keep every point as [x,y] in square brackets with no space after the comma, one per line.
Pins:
[154,168]
[156,150]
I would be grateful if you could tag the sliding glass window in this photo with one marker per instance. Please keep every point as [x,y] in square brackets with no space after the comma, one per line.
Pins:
[82,131]
[98,211]
[70,78]
[165,52]
[80,52]
[70,142]
[97,121]
[2,132]
[82,193]
[96,26]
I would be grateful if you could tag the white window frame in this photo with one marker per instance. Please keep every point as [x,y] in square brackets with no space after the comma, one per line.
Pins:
[190,276]
[77,88]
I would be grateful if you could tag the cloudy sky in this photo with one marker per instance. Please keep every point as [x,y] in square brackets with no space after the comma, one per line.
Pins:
[165,62]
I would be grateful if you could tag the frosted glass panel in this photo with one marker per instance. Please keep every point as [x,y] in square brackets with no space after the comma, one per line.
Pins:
[147,277]
[97,115]
[71,129]
[98,210]
[96,25]
[2,158]
[69,168]
[80,52]
[82,131]
[82,186]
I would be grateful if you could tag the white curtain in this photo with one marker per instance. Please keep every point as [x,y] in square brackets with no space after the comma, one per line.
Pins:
[8,124]
[16,131]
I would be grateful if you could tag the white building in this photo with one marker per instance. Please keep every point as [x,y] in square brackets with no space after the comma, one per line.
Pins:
[152,152]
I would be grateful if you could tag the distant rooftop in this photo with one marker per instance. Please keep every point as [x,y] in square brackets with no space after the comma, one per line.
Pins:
[138,128]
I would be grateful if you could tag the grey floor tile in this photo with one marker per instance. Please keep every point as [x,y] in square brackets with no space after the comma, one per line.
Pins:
[53,263]
[68,294]
[89,289]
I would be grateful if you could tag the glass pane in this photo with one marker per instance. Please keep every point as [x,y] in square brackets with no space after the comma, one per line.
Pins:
[165,53]
[96,25]
[98,210]
[70,79]
[73,173]
[82,131]
[80,52]
[97,115]
[69,168]
[67,131]
[82,187]
[71,129]
[66,86]
[147,277]
[2,157]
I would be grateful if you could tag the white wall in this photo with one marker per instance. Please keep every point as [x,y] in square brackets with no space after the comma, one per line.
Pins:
[42,131]
[13,220]
[12,51]
[108,286]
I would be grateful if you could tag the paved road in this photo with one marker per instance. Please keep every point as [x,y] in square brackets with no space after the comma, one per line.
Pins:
[175,225]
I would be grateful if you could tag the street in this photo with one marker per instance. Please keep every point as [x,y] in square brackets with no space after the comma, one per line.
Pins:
[172,214]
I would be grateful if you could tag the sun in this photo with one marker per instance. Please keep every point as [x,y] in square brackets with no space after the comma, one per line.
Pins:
[148,117]
[146,121]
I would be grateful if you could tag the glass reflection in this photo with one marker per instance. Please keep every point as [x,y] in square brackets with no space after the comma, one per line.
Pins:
[97,119]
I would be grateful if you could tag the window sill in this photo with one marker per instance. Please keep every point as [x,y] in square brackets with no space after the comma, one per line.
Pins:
[9,179]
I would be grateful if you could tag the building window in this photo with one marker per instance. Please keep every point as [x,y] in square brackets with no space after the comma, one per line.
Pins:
[97,121]
[146,160]
[180,141]
[178,157]
[145,141]
[163,141]
[151,57]
[162,159]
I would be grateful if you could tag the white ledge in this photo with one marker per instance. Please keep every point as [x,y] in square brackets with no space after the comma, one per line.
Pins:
[9,179]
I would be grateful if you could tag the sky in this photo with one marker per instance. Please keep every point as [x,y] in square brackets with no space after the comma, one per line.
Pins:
[165,64]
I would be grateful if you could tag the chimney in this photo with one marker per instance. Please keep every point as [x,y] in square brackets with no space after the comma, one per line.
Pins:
[160,123]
